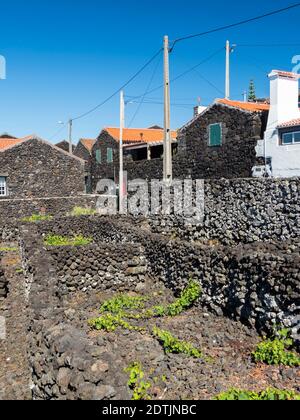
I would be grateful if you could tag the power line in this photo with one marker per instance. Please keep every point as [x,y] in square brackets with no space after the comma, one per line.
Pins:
[143,98]
[119,90]
[58,132]
[184,73]
[233,25]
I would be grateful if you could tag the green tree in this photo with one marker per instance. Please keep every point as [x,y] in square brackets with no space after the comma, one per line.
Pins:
[252,93]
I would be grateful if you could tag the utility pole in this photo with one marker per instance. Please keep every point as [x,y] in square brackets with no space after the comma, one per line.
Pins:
[121,174]
[168,170]
[70,122]
[245,96]
[227,82]
[229,50]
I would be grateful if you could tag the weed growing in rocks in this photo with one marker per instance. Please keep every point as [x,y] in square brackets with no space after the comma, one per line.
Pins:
[267,395]
[8,249]
[276,351]
[121,302]
[172,344]
[136,382]
[37,218]
[78,240]
[110,323]
[82,211]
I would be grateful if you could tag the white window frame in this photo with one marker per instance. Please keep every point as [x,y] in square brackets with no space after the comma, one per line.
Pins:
[293,140]
[3,186]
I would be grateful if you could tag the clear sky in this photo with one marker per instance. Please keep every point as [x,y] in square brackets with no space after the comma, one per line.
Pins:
[64,57]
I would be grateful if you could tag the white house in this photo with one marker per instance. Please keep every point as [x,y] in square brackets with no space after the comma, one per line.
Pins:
[281,144]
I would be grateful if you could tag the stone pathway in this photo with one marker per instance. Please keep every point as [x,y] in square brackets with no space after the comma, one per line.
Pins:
[14,368]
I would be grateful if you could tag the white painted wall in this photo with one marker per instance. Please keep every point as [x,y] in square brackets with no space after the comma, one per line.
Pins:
[284,107]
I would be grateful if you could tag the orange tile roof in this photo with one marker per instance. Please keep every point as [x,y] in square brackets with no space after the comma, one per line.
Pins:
[247,106]
[6,143]
[139,135]
[88,143]
[291,123]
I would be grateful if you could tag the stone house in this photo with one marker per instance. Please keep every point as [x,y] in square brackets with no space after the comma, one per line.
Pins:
[33,168]
[221,141]
[84,149]
[64,145]
[143,152]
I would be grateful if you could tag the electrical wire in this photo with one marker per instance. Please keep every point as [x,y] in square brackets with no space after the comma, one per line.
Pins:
[184,73]
[233,25]
[143,98]
[58,132]
[119,90]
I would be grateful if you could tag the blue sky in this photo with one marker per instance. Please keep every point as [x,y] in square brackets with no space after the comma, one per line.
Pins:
[64,57]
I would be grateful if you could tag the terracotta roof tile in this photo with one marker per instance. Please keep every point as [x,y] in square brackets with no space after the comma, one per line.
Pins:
[247,106]
[88,143]
[285,74]
[291,123]
[139,135]
[5,143]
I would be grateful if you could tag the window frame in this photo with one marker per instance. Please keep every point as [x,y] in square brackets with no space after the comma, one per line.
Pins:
[99,156]
[3,186]
[290,133]
[110,155]
[221,135]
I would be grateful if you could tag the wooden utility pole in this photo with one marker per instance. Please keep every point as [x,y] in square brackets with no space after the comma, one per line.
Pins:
[121,174]
[70,122]
[168,170]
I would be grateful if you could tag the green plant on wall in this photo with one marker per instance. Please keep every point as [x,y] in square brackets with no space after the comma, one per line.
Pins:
[276,351]
[34,218]
[77,240]
[82,211]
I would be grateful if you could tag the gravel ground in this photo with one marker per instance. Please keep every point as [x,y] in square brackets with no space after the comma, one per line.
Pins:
[227,346]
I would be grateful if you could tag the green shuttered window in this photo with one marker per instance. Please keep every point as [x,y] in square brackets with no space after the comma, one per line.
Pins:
[215,135]
[110,157]
[98,156]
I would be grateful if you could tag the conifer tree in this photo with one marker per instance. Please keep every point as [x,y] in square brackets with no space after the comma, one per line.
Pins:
[252,93]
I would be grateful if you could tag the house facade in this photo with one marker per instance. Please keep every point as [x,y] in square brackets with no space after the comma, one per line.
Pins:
[143,153]
[221,141]
[84,149]
[280,147]
[33,168]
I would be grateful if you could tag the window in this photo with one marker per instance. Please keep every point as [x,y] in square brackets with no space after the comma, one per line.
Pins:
[215,135]
[98,156]
[291,138]
[3,187]
[110,157]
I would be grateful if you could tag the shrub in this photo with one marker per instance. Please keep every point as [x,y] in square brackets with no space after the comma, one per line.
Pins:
[8,249]
[118,304]
[276,351]
[174,345]
[136,382]
[110,323]
[267,395]
[37,218]
[187,299]
[82,211]
[78,240]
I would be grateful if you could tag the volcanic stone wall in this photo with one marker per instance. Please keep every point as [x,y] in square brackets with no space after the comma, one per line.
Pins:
[258,283]
[3,283]
[13,209]
[99,267]
[236,156]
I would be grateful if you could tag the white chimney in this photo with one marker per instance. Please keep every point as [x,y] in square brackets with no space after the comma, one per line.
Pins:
[284,98]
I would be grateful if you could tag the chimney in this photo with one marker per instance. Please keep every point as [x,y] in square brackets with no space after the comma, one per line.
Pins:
[284,99]
[198,110]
